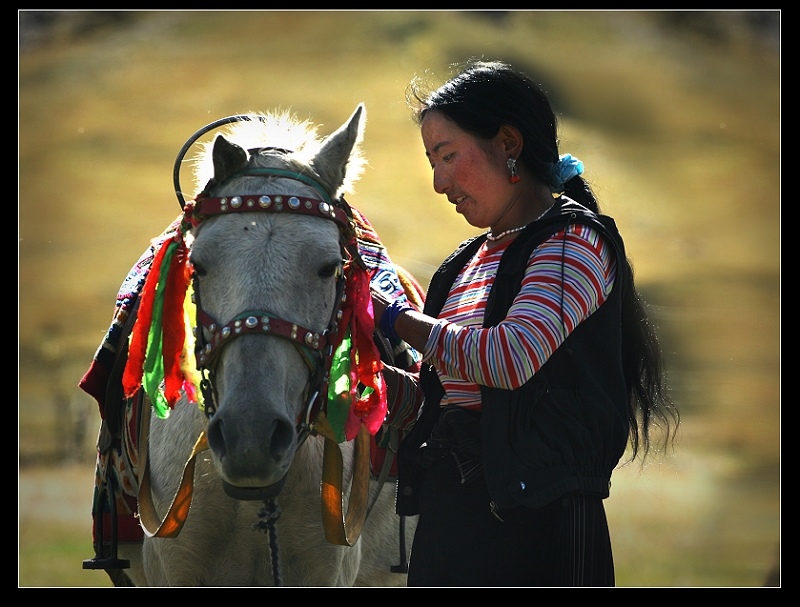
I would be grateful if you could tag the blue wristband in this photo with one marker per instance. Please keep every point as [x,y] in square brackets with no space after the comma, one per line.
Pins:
[389,317]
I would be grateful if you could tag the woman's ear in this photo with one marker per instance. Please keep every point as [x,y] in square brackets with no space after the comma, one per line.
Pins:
[511,139]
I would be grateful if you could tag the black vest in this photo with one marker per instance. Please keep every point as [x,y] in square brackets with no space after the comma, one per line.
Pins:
[566,429]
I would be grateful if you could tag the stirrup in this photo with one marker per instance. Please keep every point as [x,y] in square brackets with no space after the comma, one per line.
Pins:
[112,561]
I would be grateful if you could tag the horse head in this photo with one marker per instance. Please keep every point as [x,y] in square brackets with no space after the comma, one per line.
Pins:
[267,287]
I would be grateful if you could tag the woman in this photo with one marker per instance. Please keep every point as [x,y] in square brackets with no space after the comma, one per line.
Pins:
[539,363]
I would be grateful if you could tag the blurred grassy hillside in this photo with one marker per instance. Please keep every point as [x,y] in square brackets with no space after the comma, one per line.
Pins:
[676,116]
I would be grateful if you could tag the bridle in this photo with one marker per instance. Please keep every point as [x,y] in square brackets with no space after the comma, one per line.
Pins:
[316,348]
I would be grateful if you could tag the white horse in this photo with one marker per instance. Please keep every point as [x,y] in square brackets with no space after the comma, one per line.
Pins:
[251,269]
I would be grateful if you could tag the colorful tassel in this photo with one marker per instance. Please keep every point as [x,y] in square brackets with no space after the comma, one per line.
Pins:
[158,338]
[339,388]
[159,357]
[153,369]
[137,350]
[173,327]
[369,405]
[356,392]
[191,374]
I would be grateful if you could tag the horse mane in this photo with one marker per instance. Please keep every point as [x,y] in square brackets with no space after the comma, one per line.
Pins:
[283,130]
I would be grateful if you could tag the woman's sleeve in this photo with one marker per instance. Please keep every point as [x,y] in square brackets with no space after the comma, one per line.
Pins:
[403,395]
[567,279]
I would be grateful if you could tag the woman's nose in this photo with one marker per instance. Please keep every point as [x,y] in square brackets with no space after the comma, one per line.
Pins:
[440,182]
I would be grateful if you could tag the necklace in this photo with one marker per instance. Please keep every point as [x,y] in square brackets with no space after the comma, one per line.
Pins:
[492,238]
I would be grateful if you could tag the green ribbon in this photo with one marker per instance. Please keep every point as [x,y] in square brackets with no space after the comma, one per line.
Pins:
[339,387]
[154,358]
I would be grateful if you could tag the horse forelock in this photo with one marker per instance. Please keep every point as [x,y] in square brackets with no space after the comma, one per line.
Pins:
[281,130]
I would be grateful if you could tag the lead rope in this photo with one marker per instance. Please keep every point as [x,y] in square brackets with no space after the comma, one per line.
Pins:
[267,518]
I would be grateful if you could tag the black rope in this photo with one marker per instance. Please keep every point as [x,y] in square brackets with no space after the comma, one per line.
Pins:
[267,519]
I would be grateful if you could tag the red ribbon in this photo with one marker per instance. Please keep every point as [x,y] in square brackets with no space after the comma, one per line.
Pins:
[366,364]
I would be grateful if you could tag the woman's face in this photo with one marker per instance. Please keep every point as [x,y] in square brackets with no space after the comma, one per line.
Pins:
[471,172]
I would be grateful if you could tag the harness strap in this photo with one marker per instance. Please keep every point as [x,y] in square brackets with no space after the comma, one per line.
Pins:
[206,206]
[253,321]
[340,529]
[178,511]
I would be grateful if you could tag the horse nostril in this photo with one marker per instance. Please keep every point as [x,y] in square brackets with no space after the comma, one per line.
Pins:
[283,435]
[216,437]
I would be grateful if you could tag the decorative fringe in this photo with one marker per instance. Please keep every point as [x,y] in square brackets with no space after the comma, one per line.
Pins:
[193,377]
[158,339]
[356,394]
[137,349]
[338,406]
[161,359]
[173,328]
[370,409]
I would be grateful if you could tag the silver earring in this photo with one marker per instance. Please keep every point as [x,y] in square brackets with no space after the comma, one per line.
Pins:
[512,169]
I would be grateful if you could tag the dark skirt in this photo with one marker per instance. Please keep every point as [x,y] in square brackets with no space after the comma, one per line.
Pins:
[460,542]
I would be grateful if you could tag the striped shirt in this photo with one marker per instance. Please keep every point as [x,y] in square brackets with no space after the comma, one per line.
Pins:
[543,313]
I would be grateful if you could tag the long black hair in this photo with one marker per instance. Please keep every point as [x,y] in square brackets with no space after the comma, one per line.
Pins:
[480,99]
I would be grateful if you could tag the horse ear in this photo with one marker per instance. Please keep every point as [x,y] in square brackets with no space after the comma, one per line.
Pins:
[332,159]
[229,158]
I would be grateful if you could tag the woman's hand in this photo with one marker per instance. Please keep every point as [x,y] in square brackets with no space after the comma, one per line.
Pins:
[414,327]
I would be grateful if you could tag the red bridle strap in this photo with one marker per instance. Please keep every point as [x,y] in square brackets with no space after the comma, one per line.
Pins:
[203,206]
[258,322]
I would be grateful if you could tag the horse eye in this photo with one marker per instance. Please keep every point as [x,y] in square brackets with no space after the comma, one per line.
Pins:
[328,270]
[198,269]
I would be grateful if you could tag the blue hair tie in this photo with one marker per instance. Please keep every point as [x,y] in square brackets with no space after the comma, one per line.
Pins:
[565,169]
